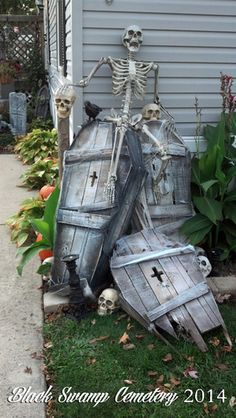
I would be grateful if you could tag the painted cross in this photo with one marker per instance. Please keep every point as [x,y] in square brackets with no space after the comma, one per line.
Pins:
[157,274]
[93,178]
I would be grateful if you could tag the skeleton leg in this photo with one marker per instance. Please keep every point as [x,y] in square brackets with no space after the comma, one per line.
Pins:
[112,176]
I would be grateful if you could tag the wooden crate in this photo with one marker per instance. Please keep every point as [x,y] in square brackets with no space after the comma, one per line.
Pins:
[162,286]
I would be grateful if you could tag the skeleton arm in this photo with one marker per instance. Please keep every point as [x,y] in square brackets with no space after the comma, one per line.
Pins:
[156,71]
[85,81]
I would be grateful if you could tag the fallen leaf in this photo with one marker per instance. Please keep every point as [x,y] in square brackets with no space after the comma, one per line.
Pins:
[226,348]
[37,356]
[124,339]
[221,298]
[168,357]
[150,388]
[121,317]
[150,346]
[101,338]
[129,381]
[174,381]
[152,374]
[48,345]
[191,373]
[232,402]
[160,379]
[167,385]
[129,326]
[127,347]
[215,341]
[90,361]
[222,366]
[28,370]
[210,409]
[139,336]
[190,358]
[93,322]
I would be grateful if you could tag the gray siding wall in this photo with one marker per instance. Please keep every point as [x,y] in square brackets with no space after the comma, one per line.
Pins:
[192,40]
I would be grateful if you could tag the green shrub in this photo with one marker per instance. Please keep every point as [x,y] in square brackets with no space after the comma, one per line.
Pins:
[22,232]
[40,123]
[213,183]
[40,173]
[44,225]
[37,145]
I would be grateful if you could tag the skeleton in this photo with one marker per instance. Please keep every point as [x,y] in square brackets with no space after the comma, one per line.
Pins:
[205,265]
[129,77]
[108,302]
[64,100]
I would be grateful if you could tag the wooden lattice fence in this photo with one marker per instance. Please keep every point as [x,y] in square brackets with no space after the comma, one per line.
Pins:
[19,36]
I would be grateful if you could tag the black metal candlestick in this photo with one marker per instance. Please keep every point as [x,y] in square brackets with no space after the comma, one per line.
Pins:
[76,293]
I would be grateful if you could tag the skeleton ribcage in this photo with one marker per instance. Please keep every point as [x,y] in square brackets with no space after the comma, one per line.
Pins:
[122,76]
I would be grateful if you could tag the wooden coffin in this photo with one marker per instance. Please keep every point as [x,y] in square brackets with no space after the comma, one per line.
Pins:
[164,291]
[87,223]
[166,197]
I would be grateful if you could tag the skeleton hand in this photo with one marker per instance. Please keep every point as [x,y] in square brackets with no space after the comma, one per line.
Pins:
[84,82]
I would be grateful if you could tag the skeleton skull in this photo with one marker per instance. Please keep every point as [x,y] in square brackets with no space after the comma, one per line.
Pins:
[151,111]
[64,100]
[108,302]
[205,265]
[132,38]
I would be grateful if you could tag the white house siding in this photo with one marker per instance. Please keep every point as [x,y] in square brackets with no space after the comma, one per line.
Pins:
[191,40]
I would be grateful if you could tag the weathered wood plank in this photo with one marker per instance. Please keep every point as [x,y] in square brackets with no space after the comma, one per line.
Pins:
[192,293]
[96,207]
[85,220]
[180,315]
[177,211]
[208,302]
[74,157]
[151,255]
[203,321]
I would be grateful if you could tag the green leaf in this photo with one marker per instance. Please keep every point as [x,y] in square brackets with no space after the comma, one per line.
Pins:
[211,208]
[195,170]
[207,184]
[29,253]
[230,211]
[196,223]
[41,226]
[45,268]
[22,237]
[50,212]
[199,236]
[231,196]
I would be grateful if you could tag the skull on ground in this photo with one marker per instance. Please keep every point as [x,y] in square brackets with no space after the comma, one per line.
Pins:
[151,111]
[205,265]
[132,38]
[108,302]
[64,100]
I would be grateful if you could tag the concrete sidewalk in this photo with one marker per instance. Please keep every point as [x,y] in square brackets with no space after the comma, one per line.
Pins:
[21,316]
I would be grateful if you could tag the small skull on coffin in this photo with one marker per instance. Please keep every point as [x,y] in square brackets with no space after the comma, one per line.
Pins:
[151,111]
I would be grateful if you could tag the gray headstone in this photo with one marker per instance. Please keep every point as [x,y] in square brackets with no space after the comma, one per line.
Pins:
[18,113]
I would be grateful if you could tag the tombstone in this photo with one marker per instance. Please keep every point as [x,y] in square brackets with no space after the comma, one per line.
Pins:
[18,107]
[42,103]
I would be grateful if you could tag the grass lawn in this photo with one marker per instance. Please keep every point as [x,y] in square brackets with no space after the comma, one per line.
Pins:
[89,358]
